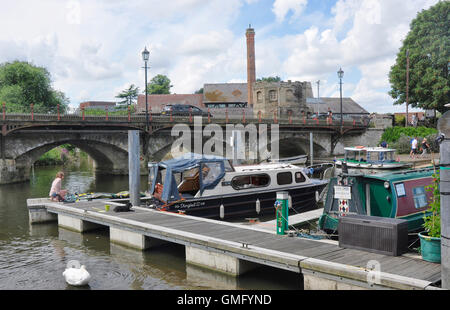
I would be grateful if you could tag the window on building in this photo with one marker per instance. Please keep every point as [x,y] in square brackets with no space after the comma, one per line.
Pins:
[250,181]
[259,96]
[289,95]
[284,178]
[420,197]
[272,95]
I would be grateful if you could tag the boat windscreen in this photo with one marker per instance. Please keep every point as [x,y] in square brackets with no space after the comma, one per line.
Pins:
[212,173]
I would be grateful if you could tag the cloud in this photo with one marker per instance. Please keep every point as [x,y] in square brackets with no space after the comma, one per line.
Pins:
[282,7]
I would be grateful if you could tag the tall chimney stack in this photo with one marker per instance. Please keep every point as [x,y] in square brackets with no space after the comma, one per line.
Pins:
[251,71]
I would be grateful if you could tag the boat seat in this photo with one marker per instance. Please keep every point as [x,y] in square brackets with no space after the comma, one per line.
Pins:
[189,184]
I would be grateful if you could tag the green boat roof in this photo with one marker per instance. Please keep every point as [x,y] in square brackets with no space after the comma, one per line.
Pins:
[401,175]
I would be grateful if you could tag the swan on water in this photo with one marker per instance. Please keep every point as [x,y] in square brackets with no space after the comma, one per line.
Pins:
[76,275]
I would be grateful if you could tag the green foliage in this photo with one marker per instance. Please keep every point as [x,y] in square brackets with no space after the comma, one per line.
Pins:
[428,43]
[23,84]
[51,158]
[129,95]
[432,222]
[400,120]
[393,134]
[160,84]
[269,79]
[115,112]
[200,91]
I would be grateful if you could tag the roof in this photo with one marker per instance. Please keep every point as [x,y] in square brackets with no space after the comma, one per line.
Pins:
[157,102]
[369,149]
[189,161]
[403,174]
[349,106]
[225,92]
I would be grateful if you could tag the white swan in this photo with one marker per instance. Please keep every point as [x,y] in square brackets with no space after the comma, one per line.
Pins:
[77,276]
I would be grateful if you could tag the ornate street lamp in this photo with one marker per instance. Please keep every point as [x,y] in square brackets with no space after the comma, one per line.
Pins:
[145,57]
[340,76]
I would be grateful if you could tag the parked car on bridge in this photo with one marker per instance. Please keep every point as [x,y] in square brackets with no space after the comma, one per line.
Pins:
[183,110]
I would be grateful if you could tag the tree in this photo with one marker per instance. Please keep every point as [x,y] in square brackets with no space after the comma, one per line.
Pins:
[23,84]
[428,43]
[129,95]
[200,91]
[269,79]
[160,84]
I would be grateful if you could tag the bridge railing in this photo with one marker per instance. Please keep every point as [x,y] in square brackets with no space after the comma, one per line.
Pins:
[222,118]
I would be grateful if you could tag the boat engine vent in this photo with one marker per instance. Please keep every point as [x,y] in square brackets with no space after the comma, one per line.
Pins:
[374,234]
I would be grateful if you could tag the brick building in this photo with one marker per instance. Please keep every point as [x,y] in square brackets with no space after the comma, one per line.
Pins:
[101,105]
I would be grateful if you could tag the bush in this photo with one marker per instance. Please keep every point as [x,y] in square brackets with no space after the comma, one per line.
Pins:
[432,222]
[393,134]
[51,158]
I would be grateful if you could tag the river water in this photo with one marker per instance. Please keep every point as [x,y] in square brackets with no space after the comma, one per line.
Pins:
[33,257]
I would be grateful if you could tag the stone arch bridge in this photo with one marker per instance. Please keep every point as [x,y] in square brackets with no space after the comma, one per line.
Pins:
[25,138]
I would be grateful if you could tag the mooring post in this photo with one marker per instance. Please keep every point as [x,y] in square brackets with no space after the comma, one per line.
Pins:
[444,139]
[134,167]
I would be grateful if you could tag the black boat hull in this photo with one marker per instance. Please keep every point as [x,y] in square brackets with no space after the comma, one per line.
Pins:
[244,205]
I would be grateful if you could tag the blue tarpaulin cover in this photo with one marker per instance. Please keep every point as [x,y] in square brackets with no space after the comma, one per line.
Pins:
[186,162]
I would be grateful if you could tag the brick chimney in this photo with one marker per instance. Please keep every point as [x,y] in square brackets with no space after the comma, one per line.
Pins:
[251,71]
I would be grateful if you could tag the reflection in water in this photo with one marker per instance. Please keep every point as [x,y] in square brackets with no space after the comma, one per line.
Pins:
[35,256]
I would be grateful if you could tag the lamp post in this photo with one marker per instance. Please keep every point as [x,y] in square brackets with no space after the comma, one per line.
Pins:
[145,57]
[341,75]
[407,87]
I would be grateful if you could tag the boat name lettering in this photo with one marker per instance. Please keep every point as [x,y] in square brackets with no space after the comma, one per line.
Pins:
[189,205]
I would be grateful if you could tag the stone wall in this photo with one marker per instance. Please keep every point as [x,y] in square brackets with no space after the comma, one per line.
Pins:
[370,138]
[281,97]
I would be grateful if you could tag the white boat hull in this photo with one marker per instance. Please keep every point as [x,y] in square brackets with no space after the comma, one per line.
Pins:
[375,166]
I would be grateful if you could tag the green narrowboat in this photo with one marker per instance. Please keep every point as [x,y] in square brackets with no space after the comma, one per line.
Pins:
[401,194]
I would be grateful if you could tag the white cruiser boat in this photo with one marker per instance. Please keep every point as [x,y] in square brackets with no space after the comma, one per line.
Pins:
[223,191]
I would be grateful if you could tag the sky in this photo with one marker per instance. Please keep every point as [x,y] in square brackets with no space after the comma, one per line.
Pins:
[92,48]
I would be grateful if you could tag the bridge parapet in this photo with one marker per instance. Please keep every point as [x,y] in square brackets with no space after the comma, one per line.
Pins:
[11,122]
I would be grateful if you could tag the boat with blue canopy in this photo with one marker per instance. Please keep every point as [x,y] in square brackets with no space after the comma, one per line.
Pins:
[210,186]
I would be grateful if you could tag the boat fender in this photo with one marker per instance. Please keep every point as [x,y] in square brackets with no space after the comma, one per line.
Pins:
[222,211]
[258,206]
[317,196]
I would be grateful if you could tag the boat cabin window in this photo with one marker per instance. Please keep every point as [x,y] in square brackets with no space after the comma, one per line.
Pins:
[250,181]
[420,197]
[299,177]
[228,166]
[355,155]
[284,178]
[211,172]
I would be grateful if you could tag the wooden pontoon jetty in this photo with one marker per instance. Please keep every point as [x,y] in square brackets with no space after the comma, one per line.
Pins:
[235,248]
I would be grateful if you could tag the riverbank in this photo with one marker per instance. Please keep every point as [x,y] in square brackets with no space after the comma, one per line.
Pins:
[61,155]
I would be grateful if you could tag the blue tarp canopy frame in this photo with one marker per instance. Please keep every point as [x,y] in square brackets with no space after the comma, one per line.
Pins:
[183,163]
